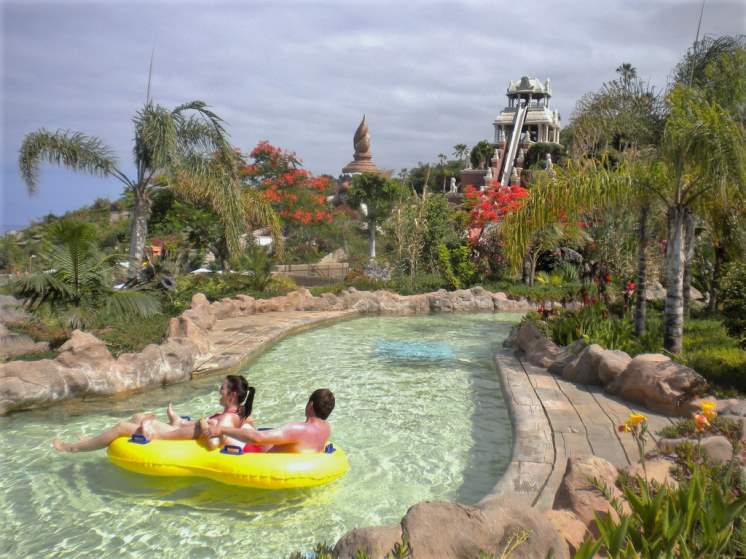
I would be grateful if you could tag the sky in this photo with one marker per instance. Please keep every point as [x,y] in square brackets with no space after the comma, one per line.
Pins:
[301,74]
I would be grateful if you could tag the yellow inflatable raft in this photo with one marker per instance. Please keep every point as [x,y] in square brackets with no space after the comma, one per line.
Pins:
[229,465]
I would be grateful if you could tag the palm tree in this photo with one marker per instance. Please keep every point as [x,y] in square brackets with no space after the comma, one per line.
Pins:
[460,151]
[627,72]
[78,283]
[172,148]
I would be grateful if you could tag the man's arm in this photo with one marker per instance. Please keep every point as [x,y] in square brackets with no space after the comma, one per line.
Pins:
[287,434]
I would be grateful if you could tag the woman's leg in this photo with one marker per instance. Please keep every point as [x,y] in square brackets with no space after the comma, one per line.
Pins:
[102,440]
[158,430]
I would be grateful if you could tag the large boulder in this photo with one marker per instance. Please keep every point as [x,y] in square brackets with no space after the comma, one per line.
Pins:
[84,350]
[528,334]
[578,492]
[11,310]
[664,386]
[569,354]
[611,365]
[452,531]
[569,527]
[13,344]
[376,542]
[718,449]
[658,470]
[654,291]
[585,369]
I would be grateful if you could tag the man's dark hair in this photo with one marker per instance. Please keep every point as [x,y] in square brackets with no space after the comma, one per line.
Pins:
[323,402]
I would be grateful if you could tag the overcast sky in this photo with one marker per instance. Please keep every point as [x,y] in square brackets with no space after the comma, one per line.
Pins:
[301,74]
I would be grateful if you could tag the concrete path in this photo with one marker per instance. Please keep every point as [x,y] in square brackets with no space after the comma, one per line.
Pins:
[236,341]
[554,420]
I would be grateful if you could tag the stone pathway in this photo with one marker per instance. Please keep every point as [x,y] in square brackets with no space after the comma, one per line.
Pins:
[236,341]
[555,419]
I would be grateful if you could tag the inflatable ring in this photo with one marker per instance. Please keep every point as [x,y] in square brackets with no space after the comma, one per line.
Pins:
[229,465]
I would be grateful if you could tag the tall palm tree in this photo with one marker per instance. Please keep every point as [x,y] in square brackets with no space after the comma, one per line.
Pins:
[460,151]
[627,73]
[172,148]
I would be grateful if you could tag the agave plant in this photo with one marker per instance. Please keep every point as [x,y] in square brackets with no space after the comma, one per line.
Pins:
[78,282]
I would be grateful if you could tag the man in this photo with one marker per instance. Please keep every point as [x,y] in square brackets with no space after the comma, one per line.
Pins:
[309,436]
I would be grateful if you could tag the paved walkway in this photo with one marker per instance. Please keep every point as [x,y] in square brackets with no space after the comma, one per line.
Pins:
[555,419]
[237,341]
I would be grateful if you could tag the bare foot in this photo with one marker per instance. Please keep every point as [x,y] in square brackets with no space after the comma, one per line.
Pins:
[173,418]
[146,429]
[59,446]
[145,416]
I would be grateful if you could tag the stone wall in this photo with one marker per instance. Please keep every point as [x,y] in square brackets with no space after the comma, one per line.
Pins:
[86,368]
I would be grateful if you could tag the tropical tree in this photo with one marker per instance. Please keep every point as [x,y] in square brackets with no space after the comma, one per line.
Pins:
[379,195]
[460,151]
[480,154]
[78,283]
[627,73]
[173,148]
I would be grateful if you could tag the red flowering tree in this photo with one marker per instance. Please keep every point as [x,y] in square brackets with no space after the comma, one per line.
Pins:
[487,209]
[295,194]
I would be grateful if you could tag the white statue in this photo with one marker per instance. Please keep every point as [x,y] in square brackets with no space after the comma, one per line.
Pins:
[549,161]
[453,185]
[488,176]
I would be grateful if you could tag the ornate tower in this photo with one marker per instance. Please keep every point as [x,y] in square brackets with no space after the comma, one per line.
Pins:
[362,159]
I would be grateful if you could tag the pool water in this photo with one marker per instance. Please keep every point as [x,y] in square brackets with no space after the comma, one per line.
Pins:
[419,412]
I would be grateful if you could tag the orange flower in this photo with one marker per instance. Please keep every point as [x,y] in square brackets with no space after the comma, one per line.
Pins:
[700,422]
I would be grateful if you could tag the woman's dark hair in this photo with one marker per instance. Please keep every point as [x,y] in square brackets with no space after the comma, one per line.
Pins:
[244,393]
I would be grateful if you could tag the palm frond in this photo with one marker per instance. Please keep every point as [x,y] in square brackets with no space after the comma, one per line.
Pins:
[69,149]
[132,302]
[201,107]
[156,139]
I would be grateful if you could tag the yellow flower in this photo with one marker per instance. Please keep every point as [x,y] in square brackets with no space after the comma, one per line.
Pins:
[632,422]
[708,409]
[700,422]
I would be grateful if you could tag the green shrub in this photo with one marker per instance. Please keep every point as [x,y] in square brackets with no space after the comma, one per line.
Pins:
[569,291]
[696,519]
[734,300]
[594,324]
[123,335]
[725,367]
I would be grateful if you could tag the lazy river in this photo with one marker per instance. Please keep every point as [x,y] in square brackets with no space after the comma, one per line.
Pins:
[419,412]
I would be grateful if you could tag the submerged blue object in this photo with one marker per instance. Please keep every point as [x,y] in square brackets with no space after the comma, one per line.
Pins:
[417,351]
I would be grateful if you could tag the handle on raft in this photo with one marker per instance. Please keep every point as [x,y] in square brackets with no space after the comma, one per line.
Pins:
[328,449]
[232,449]
[137,438]
[186,417]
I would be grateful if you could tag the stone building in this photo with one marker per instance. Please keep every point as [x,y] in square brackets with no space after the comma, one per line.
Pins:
[528,112]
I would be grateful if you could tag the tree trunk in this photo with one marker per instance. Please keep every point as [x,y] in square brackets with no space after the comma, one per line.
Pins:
[715,283]
[688,258]
[641,304]
[673,313]
[527,269]
[372,238]
[138,231]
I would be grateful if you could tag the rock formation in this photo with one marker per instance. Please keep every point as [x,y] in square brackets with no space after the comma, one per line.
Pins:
[362,159]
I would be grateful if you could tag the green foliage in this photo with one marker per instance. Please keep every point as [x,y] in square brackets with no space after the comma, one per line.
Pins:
[480,154]
[256,262]
[539,293]
[455,266]
[537,154]
[734,300]
[594,324]
[78,285]
[377,192]
[123,335]
[719,425]
[218,286]
[696,519]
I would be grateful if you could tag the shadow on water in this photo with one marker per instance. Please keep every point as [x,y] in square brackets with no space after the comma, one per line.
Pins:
[491,431]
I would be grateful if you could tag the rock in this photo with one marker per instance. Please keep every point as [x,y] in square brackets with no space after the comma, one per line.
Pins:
[452,531]
[569,527]
[543,352]
[577,494]
[528,334]
[695,294]
[199,300]
[718,449]
[653,380]
[658,470]
[246,305]
[11,310]
[375,541]
[567,355]
[585,369]
[202,315]
[654,291]
[611,365]
[732,406]
[376,271]
[13,344]
[335,257]
[84,350]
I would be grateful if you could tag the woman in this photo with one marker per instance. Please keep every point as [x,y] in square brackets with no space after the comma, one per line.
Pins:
[236,397]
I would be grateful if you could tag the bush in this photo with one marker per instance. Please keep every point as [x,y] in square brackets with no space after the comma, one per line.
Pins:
[539,293]
[594,324]
[734,301]
[725,367]
[537,153]
[122,335]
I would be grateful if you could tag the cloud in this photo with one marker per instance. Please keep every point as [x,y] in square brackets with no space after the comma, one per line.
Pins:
[301,74]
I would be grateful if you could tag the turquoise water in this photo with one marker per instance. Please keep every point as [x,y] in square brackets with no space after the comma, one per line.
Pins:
[419,412]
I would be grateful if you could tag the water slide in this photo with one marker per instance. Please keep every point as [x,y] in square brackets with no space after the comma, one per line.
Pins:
[515,138]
